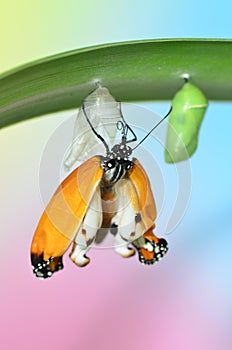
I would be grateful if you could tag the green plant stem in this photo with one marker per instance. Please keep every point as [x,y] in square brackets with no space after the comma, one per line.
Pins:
[132,71]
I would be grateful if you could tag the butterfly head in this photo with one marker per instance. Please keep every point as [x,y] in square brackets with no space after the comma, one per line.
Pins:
[117,163]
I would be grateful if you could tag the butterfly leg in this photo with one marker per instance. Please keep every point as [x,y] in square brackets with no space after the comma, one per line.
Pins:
[123,223]
[87,233]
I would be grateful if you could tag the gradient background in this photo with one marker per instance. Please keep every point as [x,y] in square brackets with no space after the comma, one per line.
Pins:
[184,302]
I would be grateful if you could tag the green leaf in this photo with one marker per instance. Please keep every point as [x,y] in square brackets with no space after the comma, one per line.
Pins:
[143,70]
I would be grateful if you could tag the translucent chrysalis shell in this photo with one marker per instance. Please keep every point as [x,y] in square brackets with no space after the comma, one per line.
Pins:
[104,113]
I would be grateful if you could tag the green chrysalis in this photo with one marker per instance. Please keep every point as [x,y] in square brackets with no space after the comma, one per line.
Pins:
[189,107]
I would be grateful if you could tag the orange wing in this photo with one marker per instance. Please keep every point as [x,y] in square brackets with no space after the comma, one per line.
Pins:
[63,216]
[147,207]
[150,248]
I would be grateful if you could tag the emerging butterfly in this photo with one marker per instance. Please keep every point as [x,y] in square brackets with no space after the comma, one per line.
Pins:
[105,193]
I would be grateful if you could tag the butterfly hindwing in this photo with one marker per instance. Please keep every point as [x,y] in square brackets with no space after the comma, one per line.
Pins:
[87,231]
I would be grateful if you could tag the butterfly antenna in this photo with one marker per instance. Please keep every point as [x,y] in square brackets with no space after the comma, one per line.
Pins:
[93,130]
[127,127]
[153,129]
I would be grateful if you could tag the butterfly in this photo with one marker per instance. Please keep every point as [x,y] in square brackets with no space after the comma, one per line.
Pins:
[106,193]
